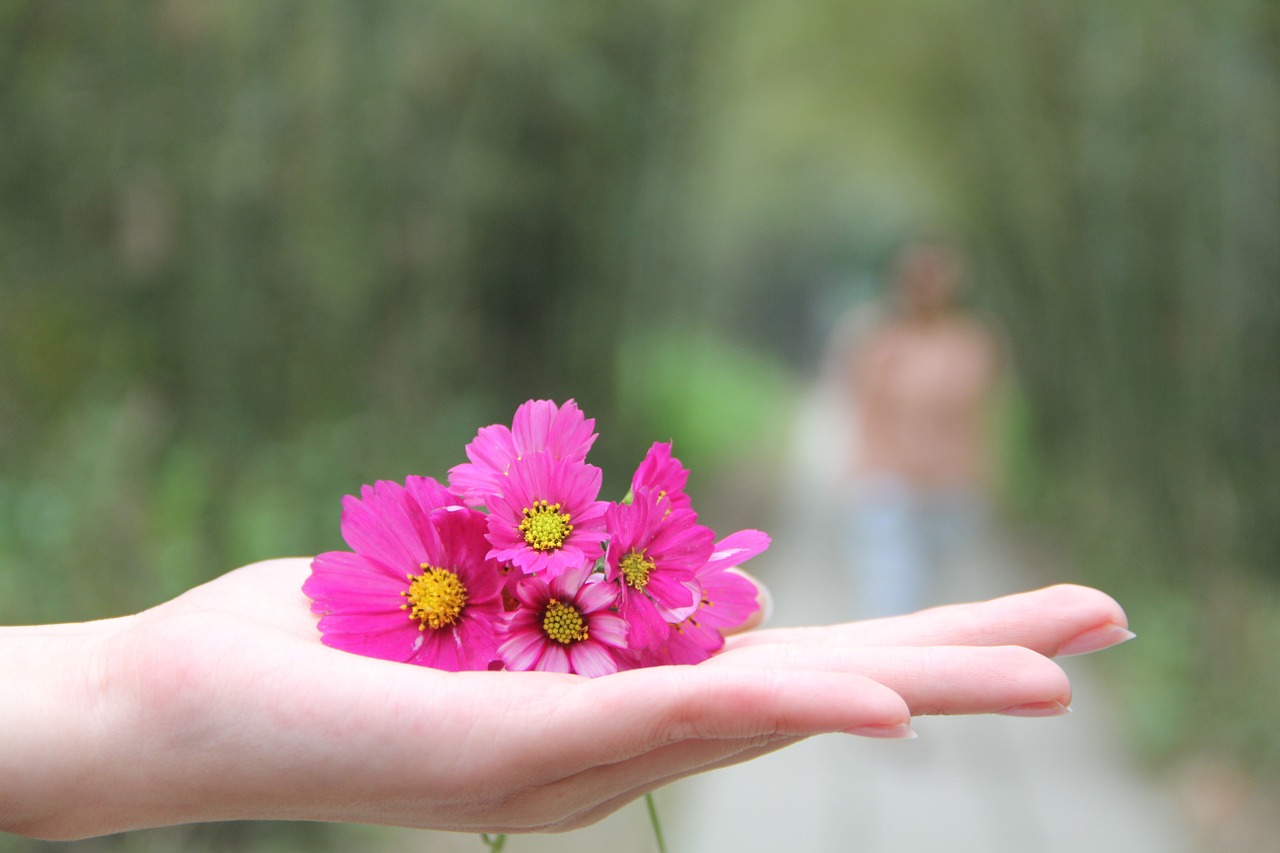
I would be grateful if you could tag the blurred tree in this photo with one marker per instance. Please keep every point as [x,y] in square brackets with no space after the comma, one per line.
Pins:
[251,227]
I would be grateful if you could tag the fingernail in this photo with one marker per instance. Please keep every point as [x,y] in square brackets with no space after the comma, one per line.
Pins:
[1037,709]
[901,731]
[1095,639]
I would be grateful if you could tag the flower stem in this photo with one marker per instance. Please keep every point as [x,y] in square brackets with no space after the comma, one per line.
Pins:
[494,842]
[657,826]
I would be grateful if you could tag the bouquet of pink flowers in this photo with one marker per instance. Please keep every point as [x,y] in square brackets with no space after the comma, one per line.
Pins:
[517,565]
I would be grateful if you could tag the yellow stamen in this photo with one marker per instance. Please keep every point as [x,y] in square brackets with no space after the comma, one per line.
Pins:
[544,526]
[635,569]
[436,598]
[563,623]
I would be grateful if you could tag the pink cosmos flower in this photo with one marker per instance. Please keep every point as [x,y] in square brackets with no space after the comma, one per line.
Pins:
[565,625]
[416,585]
[727,600]
[663,473]
[547,519]
[538,426]
[654,553]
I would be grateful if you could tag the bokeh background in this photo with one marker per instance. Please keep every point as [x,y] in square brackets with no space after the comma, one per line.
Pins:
[254,254]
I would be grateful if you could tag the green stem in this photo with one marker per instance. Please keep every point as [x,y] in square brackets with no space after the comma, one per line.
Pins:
[657,826]
[494,842]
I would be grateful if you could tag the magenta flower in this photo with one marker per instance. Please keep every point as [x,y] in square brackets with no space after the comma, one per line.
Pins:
[538,426]
[727,600]
[654,553]
[499,569]
[416,585]
[565,625]
[547,519]
[663,473]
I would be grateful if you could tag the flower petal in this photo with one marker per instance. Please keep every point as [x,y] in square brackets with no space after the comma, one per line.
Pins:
[522,650]
[596,595]
[675,597]
[591,659]
[540,425]
[646,628]
[396,644]
[608,628]
[379,526]
[736,548]
[355,569]
[554,659]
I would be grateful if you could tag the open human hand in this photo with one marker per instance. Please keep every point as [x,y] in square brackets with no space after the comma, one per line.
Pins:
[223,704]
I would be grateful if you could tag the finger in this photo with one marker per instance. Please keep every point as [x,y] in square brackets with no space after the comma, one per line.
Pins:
[631,730]
[620,717]
[1063,619]
[932,680]
[600,790]
[720,702]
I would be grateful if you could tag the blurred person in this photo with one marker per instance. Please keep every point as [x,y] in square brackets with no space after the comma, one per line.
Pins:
[223,704]
[920,377]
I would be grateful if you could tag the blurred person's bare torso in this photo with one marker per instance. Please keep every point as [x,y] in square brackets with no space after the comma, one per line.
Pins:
[921,390]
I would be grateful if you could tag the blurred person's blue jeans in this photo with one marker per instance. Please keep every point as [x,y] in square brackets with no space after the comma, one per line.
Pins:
[900,542]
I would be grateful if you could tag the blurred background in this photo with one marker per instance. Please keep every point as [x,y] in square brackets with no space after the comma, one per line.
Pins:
[254,254]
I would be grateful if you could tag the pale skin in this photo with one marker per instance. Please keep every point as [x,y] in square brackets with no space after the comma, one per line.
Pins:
[223,704]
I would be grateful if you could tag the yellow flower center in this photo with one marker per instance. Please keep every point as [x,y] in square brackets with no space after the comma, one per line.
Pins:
[544,526]
[563,623]
[635,569]
[436,598]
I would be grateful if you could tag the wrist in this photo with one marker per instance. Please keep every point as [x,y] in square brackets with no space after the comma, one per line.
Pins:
[63,716]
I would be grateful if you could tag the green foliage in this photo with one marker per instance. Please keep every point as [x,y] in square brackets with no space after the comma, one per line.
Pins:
[252,255]
[722,404]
